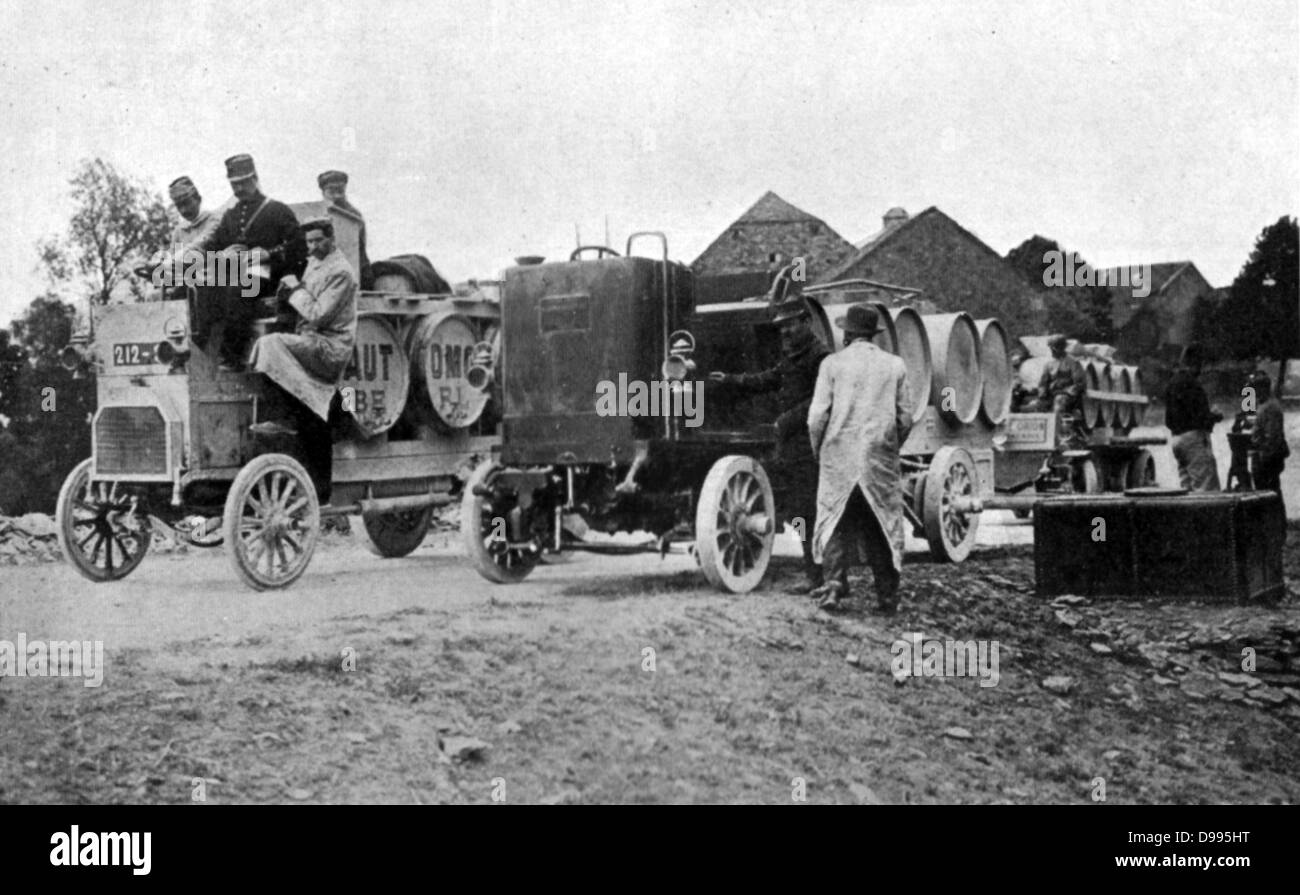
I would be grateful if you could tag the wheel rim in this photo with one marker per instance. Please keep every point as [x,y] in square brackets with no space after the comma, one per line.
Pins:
[100,528]
[957,482]
[276,525]
[496,543]
[739,536]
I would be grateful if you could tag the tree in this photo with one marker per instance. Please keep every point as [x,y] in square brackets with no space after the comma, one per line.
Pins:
[1080,311]
[116,222]
[1261,316]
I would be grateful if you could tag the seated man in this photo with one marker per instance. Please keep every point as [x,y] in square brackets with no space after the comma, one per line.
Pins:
[1063,381]
[305,366]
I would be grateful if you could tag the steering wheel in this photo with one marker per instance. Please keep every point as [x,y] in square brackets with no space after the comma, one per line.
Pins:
[600,250]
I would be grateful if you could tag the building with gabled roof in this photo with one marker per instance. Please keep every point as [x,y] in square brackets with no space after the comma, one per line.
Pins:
[951,266]
[740,262]
[1155,319]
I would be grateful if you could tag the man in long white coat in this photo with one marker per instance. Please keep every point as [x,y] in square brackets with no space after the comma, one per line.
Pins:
[306,365]
[860,415]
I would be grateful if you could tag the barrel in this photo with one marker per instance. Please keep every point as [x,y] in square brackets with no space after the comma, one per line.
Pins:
[1138,410]
[407,273]
[957,383]
[1121,380]
[914,348]
[374,384]
[443,350]
[1094,413]
[995,369]
[836,306]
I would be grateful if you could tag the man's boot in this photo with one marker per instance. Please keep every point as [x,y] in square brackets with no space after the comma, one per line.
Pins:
[812,572]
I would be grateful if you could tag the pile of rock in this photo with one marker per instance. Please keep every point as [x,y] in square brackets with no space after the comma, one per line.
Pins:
[28,539]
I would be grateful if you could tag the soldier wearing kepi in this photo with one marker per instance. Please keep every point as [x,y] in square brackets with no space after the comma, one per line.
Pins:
[860,416]
[265,234]
[333,186]
[305,366]
[793,379]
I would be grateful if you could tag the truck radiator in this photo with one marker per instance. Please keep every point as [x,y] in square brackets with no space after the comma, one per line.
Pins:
[130,441]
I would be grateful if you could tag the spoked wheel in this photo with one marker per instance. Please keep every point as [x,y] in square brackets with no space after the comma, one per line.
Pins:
[733,524]
[1141,470]
[272,521]
[1085,477]
[950,532]
[394,534]
[487,536]
[102,531]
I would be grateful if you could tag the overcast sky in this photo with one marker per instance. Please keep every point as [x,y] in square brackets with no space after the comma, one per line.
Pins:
[1132,133]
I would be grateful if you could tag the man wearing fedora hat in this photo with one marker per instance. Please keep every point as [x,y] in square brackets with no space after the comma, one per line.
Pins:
[794,470]
[860,415]
[265,234]
[334,189]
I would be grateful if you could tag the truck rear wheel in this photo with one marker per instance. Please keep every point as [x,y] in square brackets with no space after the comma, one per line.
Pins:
[950,532]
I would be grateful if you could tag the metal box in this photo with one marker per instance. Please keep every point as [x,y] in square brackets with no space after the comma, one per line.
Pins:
[1212,547]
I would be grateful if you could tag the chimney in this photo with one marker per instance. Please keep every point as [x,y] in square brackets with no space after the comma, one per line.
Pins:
[894,217]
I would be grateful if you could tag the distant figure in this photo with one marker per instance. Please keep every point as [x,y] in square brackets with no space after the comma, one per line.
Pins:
[306,366]
[1190,422]
[265,234]
[1063,381]
[333,186]
[793,379]
[1269,438]
[1022,398]
[196,224]
[860,416]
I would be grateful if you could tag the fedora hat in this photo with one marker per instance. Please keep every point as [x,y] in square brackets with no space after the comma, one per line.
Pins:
[860,320]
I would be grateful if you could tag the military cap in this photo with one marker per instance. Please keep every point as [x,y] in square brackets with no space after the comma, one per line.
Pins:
[328,177]
[240,167]
[181,188]
[861,320]
[325,225]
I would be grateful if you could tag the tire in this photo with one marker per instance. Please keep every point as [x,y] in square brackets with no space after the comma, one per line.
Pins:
[1141,471]
[482,534]
[391,535]
[951,534]
[734,527]
[97,520]
[1085,477]
[272,514]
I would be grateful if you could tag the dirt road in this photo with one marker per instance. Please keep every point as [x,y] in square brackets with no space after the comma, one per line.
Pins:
[626,679]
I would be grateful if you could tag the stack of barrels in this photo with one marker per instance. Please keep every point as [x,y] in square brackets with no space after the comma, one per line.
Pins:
[955,363]
[1104,376]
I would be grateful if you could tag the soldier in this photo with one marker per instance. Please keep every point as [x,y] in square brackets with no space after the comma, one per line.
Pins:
[860,416]
[1268,438]
[793,379]
[1190,422]
[196,224]
[265,234]
[333,186]
[306,365]
[1063,381]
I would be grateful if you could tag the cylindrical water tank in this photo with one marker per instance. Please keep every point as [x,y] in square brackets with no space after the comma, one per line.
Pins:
[956,388]
[995,364]
[375,383]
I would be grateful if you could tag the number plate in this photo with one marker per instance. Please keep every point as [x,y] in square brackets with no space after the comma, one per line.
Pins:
[128,354]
